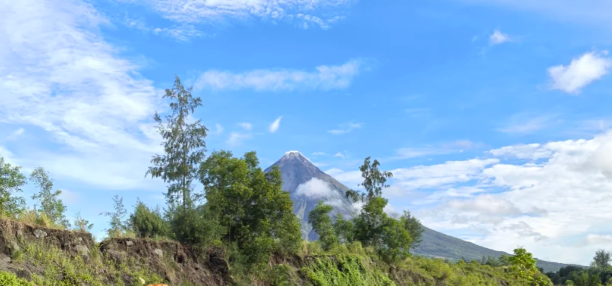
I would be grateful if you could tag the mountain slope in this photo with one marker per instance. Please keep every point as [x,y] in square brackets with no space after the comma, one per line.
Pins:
[439,245]
[307,185]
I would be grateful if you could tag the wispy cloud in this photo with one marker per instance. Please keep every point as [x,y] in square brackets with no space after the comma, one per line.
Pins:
[522,124]
[498,38]
[245,125]
[345,128]
[236,138]
[275,125]
[321,13]
[581,72]
[322,78]
[319,154]
[66,80]
[182,32]
[218,129]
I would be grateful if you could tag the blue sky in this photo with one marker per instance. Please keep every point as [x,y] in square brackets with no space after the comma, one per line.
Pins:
[492,114]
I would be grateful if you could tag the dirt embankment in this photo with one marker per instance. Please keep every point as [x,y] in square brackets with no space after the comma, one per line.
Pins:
[176,263]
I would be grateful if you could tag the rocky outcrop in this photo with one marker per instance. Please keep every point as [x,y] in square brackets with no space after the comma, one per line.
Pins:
[173,261]
[176,263]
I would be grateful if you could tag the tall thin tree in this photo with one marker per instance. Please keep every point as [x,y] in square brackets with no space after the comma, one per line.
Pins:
[373,182]
[183,143]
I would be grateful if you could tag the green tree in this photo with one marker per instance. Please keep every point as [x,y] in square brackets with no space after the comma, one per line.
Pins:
[117,221]
[345,229]
[601,261]
[396,241]
[369,223]
[183,143]
[254,213]
[146,222]
[373,181]
[322,224]
[413,226]
[50,203]
[11,181]
[523,266]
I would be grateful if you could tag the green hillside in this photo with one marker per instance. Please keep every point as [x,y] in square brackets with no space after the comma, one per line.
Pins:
[439,245]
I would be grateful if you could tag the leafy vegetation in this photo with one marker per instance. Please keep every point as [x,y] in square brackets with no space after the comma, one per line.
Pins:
[10,279]
[599,274]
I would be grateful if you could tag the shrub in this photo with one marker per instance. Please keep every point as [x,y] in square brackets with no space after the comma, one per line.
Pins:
[146,222]
[10,279]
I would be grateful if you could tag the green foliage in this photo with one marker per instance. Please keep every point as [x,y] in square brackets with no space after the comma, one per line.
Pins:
[50,204]
[322,224]
[184,145]
[58,268]
[10,279]
[601,260]
[192,225]
[81,224]
[396,241]
[345,229]
[373,181]
[523,266]
[253,212]
[11,181]
[117,218]
[344,270]
[413,226]
[146,222]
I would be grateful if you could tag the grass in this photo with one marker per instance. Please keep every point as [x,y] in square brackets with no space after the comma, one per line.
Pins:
[60,269]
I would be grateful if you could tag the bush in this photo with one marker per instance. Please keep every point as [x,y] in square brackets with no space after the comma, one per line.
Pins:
[147,223]
[10,279]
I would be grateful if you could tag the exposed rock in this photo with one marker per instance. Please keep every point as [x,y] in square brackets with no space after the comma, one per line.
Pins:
[82,249]
[159,252]
[39,233]
[129,243]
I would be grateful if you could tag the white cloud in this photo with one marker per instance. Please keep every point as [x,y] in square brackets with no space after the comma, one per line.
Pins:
[498,38]
[522,151]
[181,33]
[69,197]
[275,125]
[345,128]
[563,197]
[319,154]
[436,176]
[322,78]
[339,155]
[597,239]
[317,189]
[69,83]
[407,153]
[236,138]
[581,72]
[485,204]
[219,129]
[522,124]
[349,178]
[245,125]
[321,13]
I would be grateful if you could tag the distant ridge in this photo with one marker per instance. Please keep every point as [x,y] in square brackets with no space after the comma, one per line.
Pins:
[296,170]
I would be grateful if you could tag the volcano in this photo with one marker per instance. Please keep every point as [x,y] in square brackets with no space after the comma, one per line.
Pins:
[307,185]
